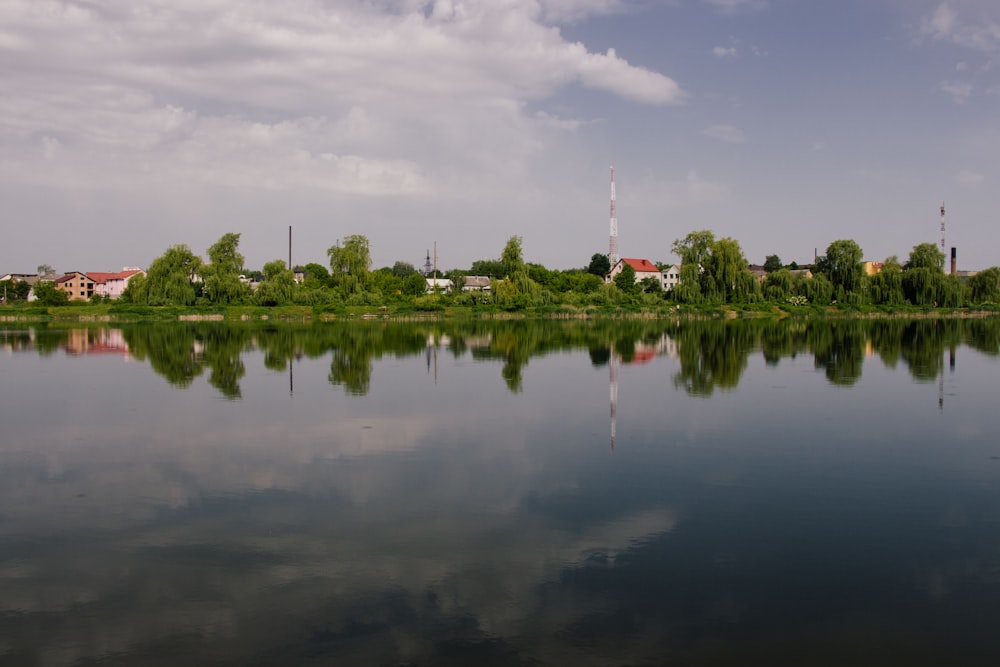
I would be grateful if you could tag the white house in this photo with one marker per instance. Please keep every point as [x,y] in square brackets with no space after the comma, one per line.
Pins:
[439,285]
[671,277]
[643,269]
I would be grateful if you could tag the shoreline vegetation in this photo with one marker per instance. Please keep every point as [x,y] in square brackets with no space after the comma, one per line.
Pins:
[712,281]
[113,312]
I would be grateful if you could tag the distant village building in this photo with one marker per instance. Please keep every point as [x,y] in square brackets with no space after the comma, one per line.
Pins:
[76,285]
[758,272]
[671,277]
[476,284]
[112,285]
[643,269]
[439,285]
[80,286]
[871,268]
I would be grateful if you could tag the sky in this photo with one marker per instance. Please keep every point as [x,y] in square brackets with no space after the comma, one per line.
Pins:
[130,126]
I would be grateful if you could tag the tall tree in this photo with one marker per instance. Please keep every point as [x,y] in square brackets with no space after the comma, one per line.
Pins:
[886,286]
[511,258]
[727,268]
[985,286]
[772,263]
[169,280]
[278,286]
[222,276]
[925,256]
[599,265]
[625,280]
[842,267]
[350,263]
[403,269]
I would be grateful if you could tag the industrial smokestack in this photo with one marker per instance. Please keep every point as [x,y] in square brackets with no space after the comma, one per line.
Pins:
[954,261]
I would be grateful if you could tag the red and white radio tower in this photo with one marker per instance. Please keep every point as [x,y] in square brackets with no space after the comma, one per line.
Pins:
[613,239]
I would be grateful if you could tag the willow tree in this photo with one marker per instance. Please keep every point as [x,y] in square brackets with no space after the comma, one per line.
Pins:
[886,286]
[169,280]
[730,274]
[222,275]
[278,286]
[927,256]
[984,287]
[713,270]
[350,263]
[693,250]
[842,267]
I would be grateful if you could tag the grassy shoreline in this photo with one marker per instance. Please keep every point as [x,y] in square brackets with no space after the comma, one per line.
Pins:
[127,313]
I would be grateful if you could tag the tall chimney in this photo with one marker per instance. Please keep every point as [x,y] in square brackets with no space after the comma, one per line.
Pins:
[954,261]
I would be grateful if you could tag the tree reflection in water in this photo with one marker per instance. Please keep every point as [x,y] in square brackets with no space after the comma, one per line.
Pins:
[711,354]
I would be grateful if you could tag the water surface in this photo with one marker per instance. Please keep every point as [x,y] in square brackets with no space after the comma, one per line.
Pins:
[610,493]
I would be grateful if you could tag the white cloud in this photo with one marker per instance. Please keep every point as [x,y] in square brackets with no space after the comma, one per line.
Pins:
[982,34]
[727,133]
[724,52]
[338,96]
[959,91]
[969,179]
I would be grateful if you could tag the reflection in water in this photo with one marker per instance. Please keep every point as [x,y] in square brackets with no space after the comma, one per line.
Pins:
[712,355]
[412,518]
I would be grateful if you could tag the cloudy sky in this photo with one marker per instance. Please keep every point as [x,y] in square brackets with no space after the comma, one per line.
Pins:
[128,126]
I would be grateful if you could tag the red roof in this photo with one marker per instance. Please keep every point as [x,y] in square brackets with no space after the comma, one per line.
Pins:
[103,277]
[641,265]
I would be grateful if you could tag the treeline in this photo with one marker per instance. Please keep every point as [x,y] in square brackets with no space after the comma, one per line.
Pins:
[713,272]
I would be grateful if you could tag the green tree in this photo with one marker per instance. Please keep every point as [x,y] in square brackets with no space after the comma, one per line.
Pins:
[693,250]
[651,285]
[350,263]
[316,275]
[512,258]
[169,280]
[222,276]
[278,286]
[47,294]
[713,270]
[984,287]
[925,255]
[414,285]
[403,269]
[772,263]
[625,280]
[778,285]
[727,268]
[14,290]
[599,265]
[842,267]
[886,286]
[487,267]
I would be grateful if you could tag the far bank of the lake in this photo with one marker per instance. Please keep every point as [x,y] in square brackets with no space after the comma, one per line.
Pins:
[105,312]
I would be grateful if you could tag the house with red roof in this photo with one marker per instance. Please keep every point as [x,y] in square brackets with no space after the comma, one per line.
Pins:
[112,285]
[643,269]
[81,286]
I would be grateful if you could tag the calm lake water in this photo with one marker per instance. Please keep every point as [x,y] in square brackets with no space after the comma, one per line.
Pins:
[512,493]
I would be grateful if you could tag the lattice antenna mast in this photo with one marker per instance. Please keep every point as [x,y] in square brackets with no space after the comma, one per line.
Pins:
[613,256]
[942,230]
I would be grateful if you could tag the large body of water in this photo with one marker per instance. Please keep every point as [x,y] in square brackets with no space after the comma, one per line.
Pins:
[511,493]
